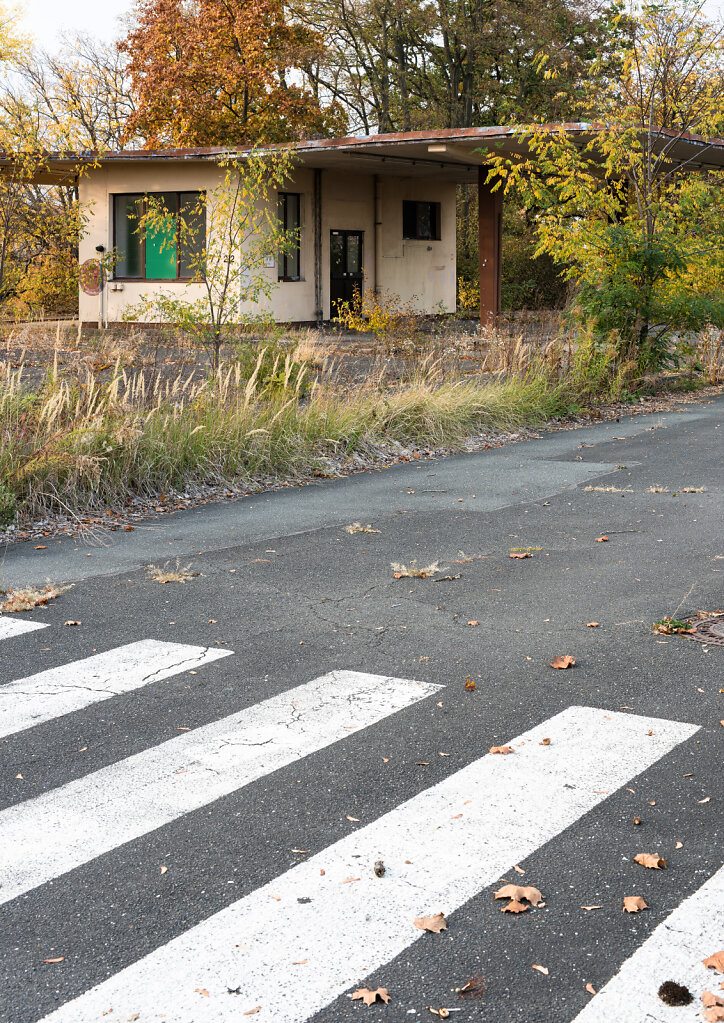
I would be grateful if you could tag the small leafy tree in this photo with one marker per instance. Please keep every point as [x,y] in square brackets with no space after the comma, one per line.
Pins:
[635,227]
[230,233]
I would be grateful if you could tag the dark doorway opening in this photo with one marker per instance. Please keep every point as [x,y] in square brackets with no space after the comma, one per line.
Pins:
[345,268]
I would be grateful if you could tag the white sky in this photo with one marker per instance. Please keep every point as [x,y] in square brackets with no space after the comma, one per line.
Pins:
[46,19]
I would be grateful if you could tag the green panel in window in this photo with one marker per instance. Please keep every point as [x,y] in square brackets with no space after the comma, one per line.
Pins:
[161,244]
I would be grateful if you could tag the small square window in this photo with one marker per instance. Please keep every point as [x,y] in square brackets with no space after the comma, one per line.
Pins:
[421,220]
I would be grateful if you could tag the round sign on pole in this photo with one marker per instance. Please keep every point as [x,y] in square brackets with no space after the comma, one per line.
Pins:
[91,277]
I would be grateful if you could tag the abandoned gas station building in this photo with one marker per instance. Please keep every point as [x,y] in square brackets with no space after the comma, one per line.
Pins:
[374,212]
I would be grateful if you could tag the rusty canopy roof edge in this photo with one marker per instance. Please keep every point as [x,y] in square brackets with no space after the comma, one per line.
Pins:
[411,141]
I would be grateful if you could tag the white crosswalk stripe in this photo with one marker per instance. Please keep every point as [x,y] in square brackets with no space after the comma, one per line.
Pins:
[90,816]
[441,848]
[694,931]
[10,627]
[57,691]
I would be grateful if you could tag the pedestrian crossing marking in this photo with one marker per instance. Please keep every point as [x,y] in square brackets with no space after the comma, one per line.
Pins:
[674,951]
[58,691]
[11,627]
[90,816]
[435,860]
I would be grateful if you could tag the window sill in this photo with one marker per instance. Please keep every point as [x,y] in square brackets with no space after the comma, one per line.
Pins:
[154,280]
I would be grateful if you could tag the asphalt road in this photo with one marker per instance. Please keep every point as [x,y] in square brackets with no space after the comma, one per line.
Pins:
[259,820]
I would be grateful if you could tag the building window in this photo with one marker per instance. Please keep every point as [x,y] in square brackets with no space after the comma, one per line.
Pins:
[159,254]
[421,220]
[290,204]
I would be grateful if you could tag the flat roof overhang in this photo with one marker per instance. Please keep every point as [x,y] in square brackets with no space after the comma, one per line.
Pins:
[452,154]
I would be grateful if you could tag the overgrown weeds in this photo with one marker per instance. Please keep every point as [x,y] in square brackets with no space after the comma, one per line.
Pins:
[28,597]
[80,441]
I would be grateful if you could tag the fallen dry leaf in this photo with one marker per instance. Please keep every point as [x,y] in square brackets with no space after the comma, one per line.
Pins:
[164,869]
[540,969]
[442,1012]
[519,892]
[590,907]
[714,1015]
[590,988]
[715,962]
[41,547]
[355,819]
[514,907]
[520,554]
[634,903]
[347,880]
[434,923]
[252,1012]
[202,991]
[469,684]
[502,749]
[370,997]
[518,870]
[72,623]
[601,539]
[563,662]
[679,845]
[591,625]
[709,999]
[60,959]
[651,860]
[473,622]
[544,742]
[706,800]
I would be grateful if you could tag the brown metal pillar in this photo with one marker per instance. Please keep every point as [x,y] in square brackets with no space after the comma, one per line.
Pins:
[490,223]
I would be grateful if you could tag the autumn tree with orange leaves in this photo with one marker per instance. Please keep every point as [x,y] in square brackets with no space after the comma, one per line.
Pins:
[222,72]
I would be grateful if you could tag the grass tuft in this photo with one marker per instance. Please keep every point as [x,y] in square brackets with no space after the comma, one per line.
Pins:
[28,597]
[164,574]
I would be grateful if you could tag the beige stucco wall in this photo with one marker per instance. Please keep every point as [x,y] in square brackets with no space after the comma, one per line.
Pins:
[419,272]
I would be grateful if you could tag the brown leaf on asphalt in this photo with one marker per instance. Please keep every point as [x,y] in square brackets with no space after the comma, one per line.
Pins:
[519,892]
[469,684]
[504,750]
[72,623]
[715,962]
[370,997]
[473,622]
[590,907]
[518,870]
[540,969]
[714,1015]
[355,819]
[591,625]
[709,999]
[590,988]
[651,860]
[434,923]
[679,845]
[566,661]
[601,539]
[60,959]
[634,903]
[514,907]
[41,547]
[164,869]
[520,554]
[706,800]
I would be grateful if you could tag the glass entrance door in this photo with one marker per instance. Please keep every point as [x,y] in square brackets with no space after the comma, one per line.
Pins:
[345,268]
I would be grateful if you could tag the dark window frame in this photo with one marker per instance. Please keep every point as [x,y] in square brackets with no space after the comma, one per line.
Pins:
[283,260]
[143,196]
[411,211]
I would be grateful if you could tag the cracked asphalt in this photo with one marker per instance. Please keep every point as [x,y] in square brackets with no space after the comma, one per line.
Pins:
[295,596]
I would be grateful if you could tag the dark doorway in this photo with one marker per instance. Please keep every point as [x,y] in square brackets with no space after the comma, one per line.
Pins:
[345,268]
